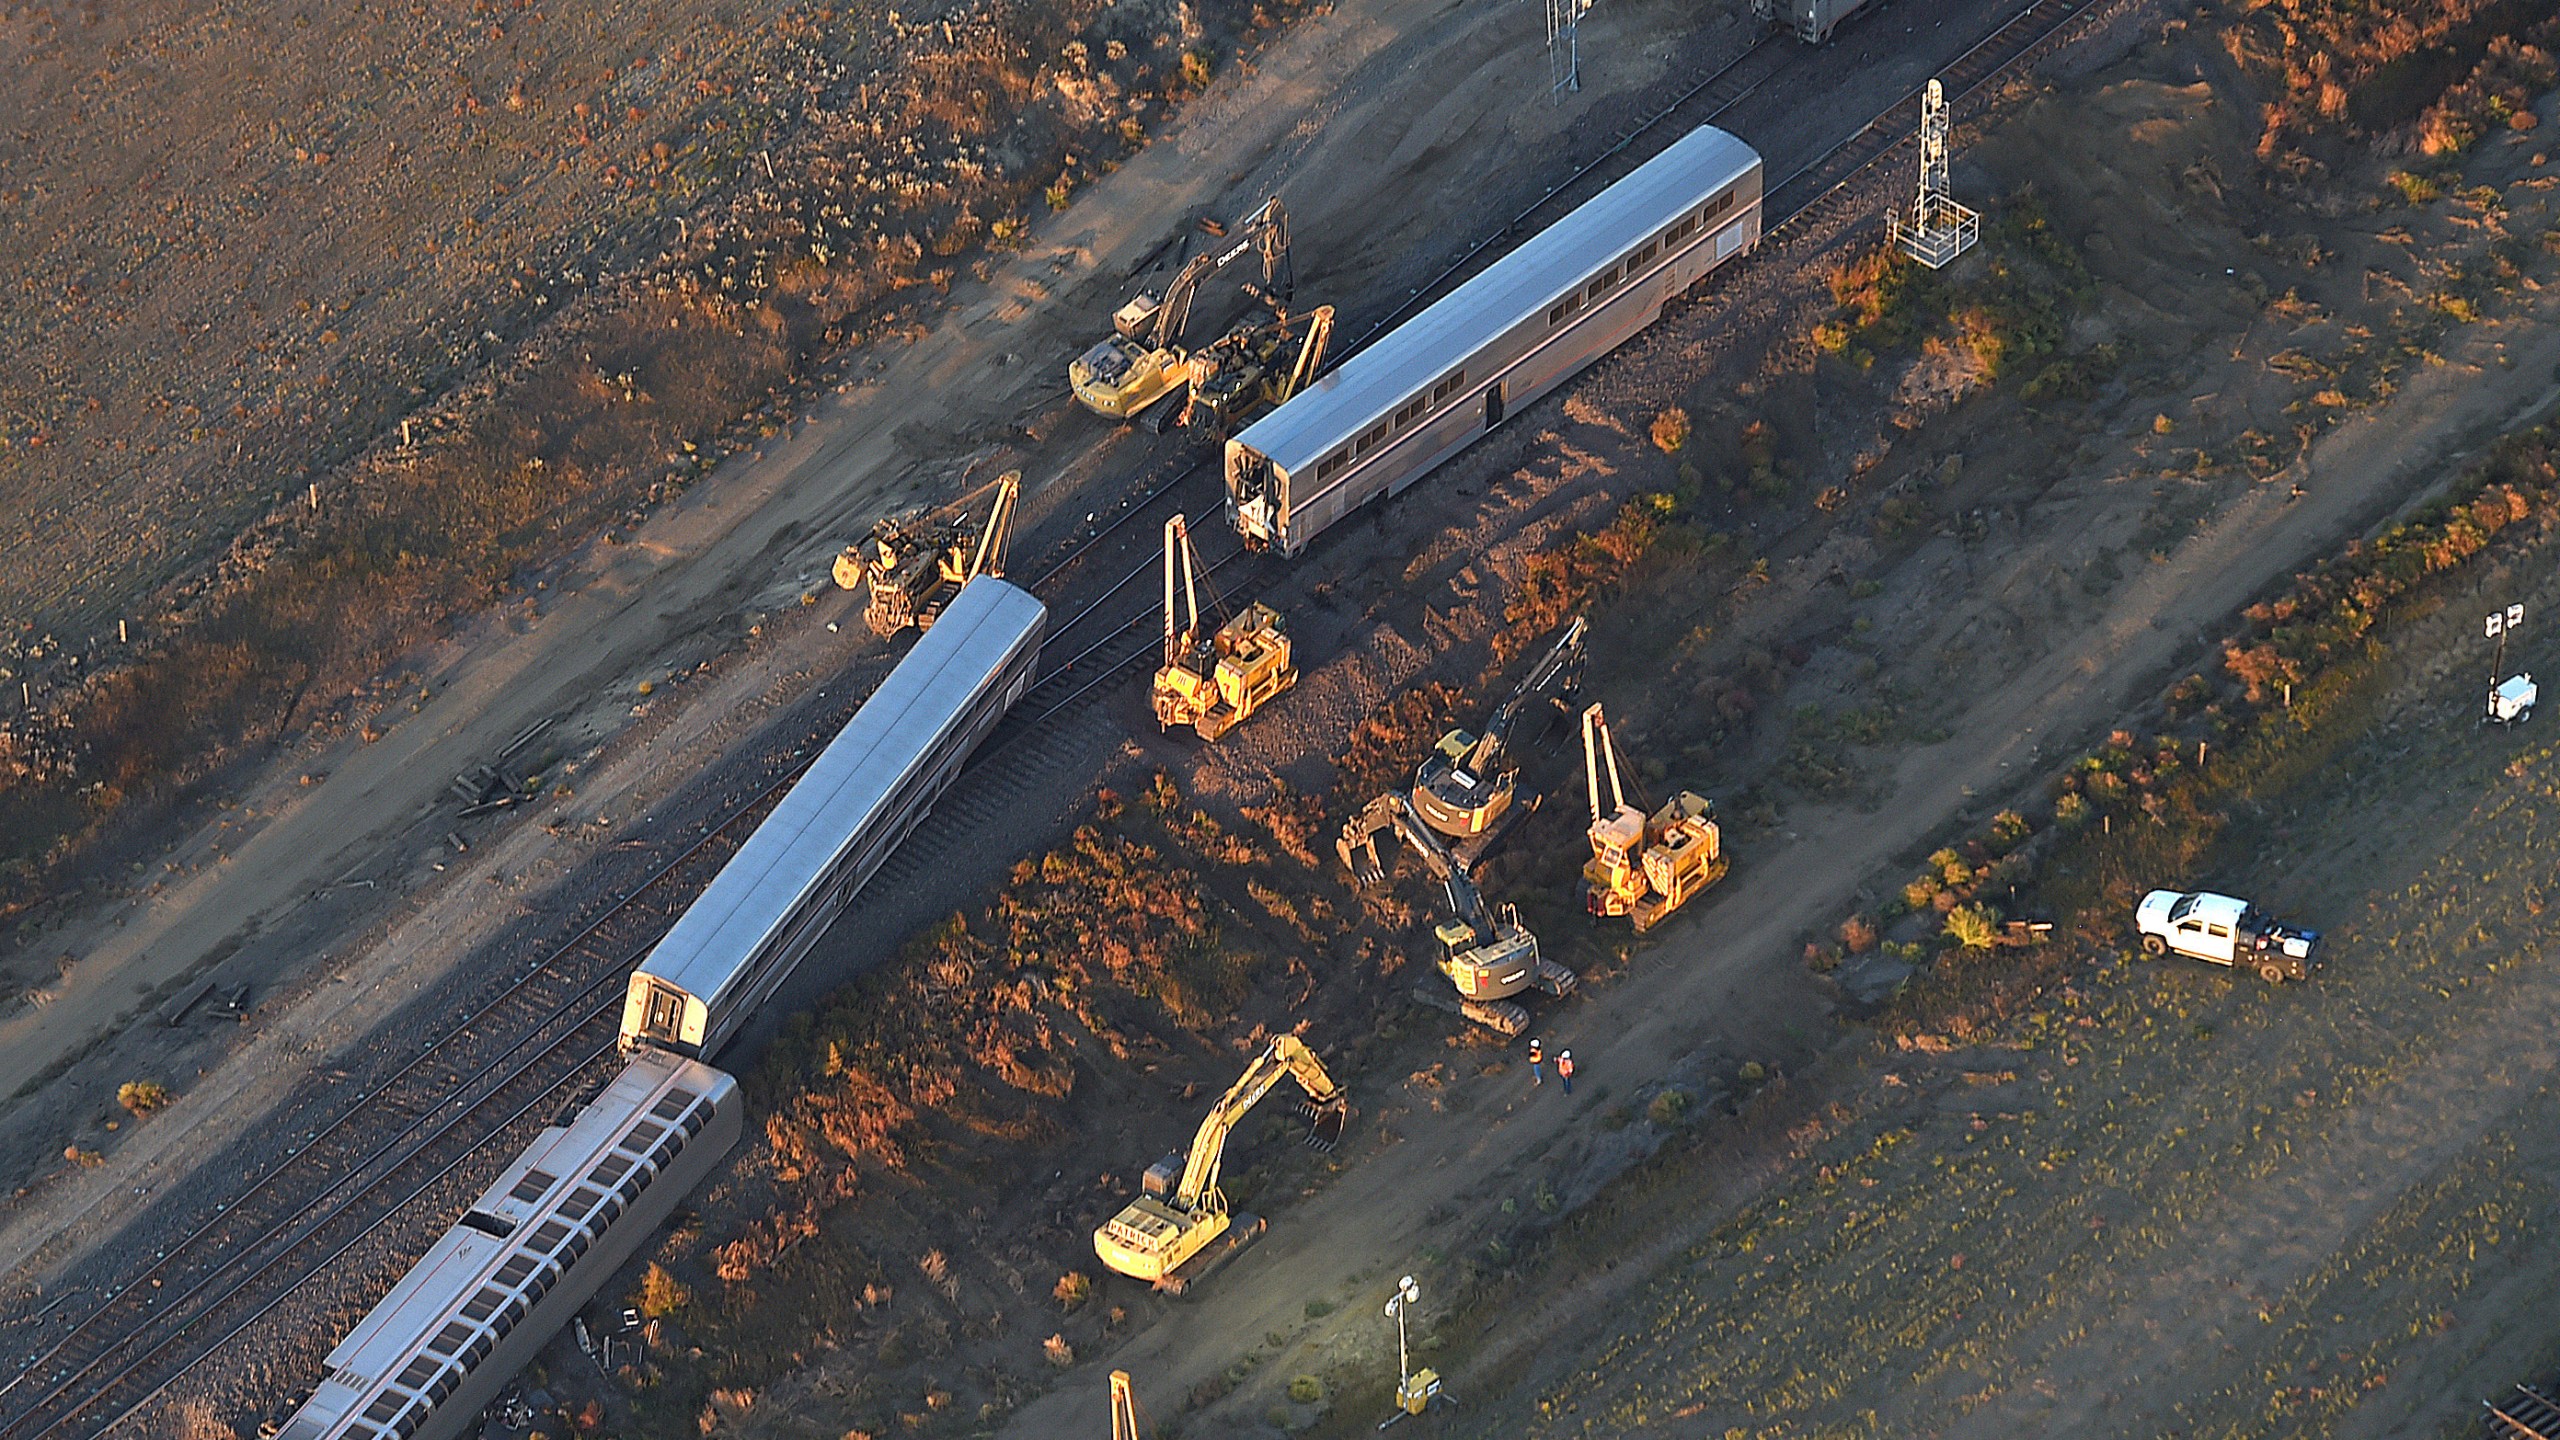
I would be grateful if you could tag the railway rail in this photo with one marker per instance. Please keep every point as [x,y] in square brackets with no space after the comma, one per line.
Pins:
[539,1034]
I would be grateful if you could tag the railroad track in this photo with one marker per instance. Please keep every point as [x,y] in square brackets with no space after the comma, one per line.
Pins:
[532,1041]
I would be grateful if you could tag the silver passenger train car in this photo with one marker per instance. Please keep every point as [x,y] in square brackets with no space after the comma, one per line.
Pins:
[865,792]
[1566,297]
[573,1207]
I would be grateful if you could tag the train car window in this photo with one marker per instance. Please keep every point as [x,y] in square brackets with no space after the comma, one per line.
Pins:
[530,1188]
[384,1406]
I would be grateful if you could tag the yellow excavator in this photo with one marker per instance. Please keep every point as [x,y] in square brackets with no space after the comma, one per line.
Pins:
[1488,955]
[1166,1236]
[1468,788]
[1645,866]
[1242,371]
[914,566]
[1214,681]
[1142,361]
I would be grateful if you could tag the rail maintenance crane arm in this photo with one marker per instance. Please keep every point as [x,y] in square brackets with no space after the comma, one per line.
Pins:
[1266,234]
[1358,847]
[1562,663]
[1286,1055]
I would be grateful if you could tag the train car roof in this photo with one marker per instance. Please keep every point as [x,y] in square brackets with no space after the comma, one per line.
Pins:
[894,731]
[654,1088]
[1544,269]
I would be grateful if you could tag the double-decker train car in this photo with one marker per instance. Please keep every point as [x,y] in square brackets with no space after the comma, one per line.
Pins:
[864,793]
[1569,295]
[570,1210]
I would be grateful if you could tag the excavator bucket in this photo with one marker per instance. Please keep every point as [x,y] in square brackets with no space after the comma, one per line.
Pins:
[1326,1122]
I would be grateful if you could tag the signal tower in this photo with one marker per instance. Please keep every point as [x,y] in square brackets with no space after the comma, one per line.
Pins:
[1935,230]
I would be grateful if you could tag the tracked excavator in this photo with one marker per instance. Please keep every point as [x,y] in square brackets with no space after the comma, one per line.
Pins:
[1489,956]
[914,566]
[1178,1229]
[1242,372]
[1213,681]
[1142,361]
[1644,866]
[1468,789]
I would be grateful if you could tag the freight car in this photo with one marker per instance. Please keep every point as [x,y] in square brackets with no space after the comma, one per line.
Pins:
[1429,388]
[566,1214]
[1812,20]
[864,793]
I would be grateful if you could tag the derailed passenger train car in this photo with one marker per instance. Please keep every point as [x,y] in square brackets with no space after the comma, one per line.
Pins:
[872,785]
[567,1213]
[1569,295]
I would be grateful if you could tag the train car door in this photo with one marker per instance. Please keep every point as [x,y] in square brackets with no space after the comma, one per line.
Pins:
[1493,404]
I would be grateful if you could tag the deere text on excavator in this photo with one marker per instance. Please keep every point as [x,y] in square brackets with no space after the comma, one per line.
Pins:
[1166,1236]
[1488,955]
[1214,682]
[1142,361]
[1468,788]
[1643,866]
[915,565]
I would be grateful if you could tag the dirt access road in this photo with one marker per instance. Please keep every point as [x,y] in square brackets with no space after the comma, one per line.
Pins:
[264,895]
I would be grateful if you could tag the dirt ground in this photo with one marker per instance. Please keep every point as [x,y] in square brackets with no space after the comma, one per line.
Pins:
[2063,563]
[300,242]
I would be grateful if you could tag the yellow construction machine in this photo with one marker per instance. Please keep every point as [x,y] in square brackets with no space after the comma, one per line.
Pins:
[1468,788]
[1214,681]
[1243,371]
[1166,1236]
[1643,866]
[1488,955]
[1142,361]
[915,565]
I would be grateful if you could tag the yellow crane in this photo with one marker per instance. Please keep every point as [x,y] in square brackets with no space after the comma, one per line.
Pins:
[1124,1407]
[1165,1235]
[914,567]
[1468,787]
[1643,866]
[1142,361]
[1214,682]
[1487,953]
[1242,370]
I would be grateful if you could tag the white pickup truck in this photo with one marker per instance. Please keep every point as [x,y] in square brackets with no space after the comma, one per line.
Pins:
[2225,931]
